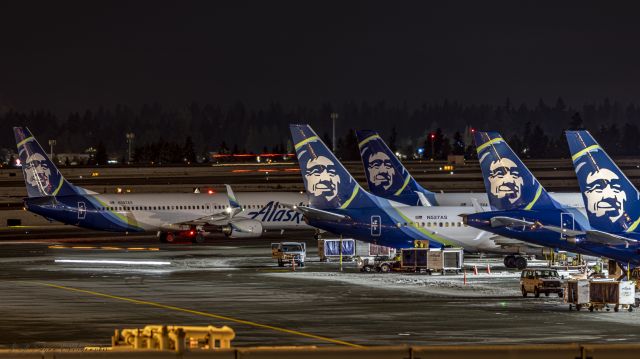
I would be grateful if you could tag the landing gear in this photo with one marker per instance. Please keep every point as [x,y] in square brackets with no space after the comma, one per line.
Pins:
[515,262]
[170,237]
[521,263]
[199,238]
[510,261]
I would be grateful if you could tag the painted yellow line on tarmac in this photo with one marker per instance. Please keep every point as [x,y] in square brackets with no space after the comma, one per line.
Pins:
[106,248]
[202,314]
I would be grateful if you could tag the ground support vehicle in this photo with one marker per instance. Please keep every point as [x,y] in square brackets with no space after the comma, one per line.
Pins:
[289,253]
[539,281]
[599,294]
[382,264]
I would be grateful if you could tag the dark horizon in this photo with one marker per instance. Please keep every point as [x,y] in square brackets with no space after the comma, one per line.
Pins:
[73,56]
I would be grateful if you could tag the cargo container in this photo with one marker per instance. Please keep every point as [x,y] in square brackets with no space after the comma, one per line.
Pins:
[329,249]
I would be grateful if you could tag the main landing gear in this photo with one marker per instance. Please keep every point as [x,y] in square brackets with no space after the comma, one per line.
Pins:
[512,261]
[192,235]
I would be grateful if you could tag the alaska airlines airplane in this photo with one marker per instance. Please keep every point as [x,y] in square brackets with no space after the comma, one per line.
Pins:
[169,214]
[522,209]
[339,205]
[388,178]
[612,202]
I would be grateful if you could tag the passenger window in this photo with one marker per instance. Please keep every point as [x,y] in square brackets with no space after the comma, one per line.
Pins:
[440,224]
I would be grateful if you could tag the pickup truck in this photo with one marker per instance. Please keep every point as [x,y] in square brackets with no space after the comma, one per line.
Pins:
[288,252]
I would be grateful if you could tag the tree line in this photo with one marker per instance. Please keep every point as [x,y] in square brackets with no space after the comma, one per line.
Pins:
[170,135]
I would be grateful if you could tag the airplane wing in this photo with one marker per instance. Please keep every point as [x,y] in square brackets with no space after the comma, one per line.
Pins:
[501,221]
[315,213]
[608,238]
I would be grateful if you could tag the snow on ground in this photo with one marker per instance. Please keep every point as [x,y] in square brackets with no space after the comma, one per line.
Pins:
[481,285]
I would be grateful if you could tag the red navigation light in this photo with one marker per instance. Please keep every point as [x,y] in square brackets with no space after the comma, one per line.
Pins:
[433,136]
[192,232]
[210,191]
[473,130]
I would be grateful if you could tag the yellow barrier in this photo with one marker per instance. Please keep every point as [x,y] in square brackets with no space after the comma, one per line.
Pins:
[176,338]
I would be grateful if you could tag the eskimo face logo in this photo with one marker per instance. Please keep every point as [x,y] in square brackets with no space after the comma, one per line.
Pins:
[380,170]
[505,180]
[322,178]
[604,194]
[36,171]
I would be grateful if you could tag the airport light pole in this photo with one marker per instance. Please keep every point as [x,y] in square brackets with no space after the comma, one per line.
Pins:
[433,139]
[130,136]
[334,117]
[51,144]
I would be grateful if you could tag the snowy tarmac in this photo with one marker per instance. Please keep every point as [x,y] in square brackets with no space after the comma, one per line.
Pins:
[73,292]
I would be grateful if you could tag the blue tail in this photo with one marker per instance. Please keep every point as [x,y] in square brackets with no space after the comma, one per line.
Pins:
[611,200]
[328,184]
[509,183]
[41,175]
[386,176]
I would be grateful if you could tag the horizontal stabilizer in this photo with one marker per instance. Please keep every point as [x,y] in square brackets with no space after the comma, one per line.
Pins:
[608,238]
[500,221]
[317,214]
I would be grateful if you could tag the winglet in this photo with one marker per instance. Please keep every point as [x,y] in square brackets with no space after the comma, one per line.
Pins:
[233,202]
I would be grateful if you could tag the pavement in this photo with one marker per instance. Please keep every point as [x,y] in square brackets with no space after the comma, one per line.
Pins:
[70,288]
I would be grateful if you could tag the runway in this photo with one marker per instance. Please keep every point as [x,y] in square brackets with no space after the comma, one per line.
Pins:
[73,291]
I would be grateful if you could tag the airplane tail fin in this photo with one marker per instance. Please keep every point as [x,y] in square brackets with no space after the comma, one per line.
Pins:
[385,174]
[509,183]
[41,175]
[328,184]
[234,205]
[611,200]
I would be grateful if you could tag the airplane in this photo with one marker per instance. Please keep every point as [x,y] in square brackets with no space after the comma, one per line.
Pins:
[388,178]
[612,202]
[522,209]
[339,205]
[170,215]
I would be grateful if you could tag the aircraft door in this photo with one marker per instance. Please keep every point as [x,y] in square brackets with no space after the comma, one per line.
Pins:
[82,210]
[376,226]
[566,222]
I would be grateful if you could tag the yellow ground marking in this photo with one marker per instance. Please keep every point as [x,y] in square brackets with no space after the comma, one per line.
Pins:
[106,248]
[199,313]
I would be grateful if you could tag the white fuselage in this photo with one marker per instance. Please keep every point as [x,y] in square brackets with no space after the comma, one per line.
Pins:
[155,211]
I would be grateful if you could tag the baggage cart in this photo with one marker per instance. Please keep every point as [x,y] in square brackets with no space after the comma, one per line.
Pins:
[599,294]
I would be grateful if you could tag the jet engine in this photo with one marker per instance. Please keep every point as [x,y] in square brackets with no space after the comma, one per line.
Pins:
[248,228]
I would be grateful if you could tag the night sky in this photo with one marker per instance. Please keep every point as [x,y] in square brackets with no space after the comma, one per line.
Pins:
[76,55]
